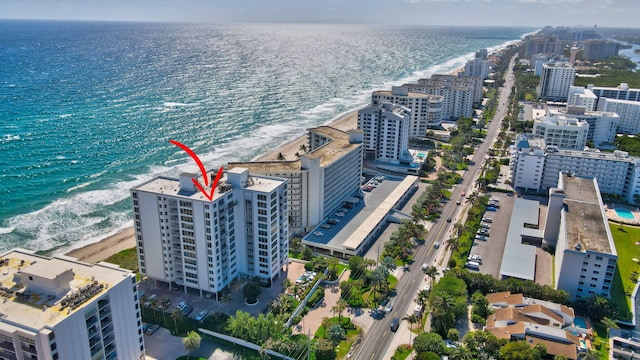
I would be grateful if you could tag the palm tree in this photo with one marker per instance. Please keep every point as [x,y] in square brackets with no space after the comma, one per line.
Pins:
[388,263]
[412,319]
[460,353]
[326,322]
[303,148]
[176,314]
[453,244]
[281,156]
[588,355]
[191,342]
[153,301]
[164,300]
[459,228]
[431,272]
[226,298]
[339,307]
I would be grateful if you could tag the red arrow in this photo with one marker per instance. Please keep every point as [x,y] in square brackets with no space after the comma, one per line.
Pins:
[202,170]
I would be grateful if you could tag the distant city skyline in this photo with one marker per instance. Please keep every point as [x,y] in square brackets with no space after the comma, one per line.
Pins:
[534,13]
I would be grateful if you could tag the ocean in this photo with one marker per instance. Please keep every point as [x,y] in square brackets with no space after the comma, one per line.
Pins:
[87,109]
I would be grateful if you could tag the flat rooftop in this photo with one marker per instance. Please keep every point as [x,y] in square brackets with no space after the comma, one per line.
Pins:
[357,223]
[171,186]
[412,94]
[328,153]
[39,291]
[586,222]
[518,259]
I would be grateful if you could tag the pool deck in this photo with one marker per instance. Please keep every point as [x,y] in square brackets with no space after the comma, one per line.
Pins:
[610,211]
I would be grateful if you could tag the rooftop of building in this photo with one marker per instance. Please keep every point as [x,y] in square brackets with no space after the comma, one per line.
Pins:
[586,222]
[411,94]
[518,259]
[356,223]
[174,186]
[339,145]
[507,299]
[561,119]
[40,291]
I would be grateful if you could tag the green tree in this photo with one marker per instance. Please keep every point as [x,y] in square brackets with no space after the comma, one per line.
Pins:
[303,148]
[325,350]
[429,342]
[176,315]
[295,244]
[164,301]
[191,342]
[389,263]
[307,253]
[560,357]
[412,319]
[339,307]
[540,350]
[431,272]
[453,244]
[225,298]
[427,355]
[518,350]
[588,355]
[460,353]
[336,333]
[251,291]
[596,307]
[358,265]
[480,305]
[483,344]
[281,156]
[333,267]
[453,334]
[153,302]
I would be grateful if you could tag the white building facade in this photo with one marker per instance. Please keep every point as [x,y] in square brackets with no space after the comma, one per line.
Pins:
[582,97]
[621,92]
[426,110]
[187,239]
[627,111]
[478,66]
[561,131]
[320,179]
[60,308]
[555,81]
[527,163]
[386,133]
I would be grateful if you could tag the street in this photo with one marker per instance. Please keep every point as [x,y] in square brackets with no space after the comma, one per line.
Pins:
[377,341]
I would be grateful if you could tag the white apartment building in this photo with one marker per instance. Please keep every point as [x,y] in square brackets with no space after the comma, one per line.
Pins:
[602,125]
[426,110]
[628,112]
[527,163]
[386,133]
[478,66]
[555,81]
[459,93]
[561,131]
[319,180]
[621,92]
[61,308]
[582,97]
[586,256]
[186,239]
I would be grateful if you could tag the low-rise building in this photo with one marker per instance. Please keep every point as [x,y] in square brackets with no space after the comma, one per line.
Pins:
[61,308]
[562,131]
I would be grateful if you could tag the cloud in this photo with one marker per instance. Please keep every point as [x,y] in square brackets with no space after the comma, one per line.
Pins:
[444,1]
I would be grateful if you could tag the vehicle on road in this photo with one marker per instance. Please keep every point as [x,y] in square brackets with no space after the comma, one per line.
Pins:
[458,202]
[436,244]
[491,208]
[395,323]
[487,220]
[448,220]
[389,307]
[425,266]
[481,237]
[201,315]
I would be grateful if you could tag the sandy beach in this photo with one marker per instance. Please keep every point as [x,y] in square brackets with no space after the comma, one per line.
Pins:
[125,239]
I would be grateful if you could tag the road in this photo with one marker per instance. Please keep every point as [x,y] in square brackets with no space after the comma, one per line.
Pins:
[379,336]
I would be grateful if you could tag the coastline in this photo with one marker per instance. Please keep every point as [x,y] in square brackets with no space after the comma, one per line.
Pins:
[125,239]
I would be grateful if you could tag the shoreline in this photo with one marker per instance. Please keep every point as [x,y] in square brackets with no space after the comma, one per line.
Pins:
[125,238]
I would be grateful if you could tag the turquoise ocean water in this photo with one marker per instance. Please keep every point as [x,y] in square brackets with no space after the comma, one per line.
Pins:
[87,109]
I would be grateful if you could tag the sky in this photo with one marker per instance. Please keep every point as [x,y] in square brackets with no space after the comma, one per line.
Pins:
[534,13]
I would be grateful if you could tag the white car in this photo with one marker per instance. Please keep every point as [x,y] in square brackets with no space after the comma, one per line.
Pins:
[201,315]
[389,306]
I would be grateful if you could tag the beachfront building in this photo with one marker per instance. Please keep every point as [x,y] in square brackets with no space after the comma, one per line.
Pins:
[561,131]
[582,97]
[61,308]
[538,61]
[555,81]
[386,133]
[478,66]
[459,93]
[204,244]
[597,49]
[319,180]
[543,45]
[603,126]
[628,113]
[426,110]
[621,92]
[577,227]
[534,164]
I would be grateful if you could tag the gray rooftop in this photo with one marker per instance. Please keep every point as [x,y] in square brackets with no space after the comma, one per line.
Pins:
[518,259]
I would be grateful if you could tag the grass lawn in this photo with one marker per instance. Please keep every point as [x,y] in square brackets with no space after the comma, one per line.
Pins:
[127,259]
[402,352]
[624,238]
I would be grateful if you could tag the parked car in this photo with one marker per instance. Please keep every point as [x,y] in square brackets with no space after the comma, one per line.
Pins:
[486,226]
[473,265]
[491,208]
[187,310]
[201,315]
[152,329]
[486,219]
[481,237]
[181,305]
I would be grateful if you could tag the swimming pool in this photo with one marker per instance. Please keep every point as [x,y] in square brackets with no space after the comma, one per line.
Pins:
[580,322]
[624,213]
